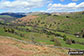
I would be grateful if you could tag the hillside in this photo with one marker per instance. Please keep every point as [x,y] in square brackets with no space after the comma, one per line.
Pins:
[11,47]
[37,13]
[25,19]
[70,23]
[16,15]
[41,27]
[9,17]
[68,29]
[6,18]
[32,34]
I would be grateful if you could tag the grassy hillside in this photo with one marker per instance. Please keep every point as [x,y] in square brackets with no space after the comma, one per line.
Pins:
[71,23]
[41,37]
[6,18]
[62,23]
[11,47]
[56,30]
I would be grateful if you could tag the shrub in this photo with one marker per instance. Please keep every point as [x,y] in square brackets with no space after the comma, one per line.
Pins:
[50,25]
[9,30]
[64,38]
[67,17]
[47,36]
[57,42]
[5,30]
[68,41]
[52,40]
[12,31]
[73,41]
[21,35]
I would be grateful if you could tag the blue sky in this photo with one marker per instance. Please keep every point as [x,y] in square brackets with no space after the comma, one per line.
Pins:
[41,5]
[68,1]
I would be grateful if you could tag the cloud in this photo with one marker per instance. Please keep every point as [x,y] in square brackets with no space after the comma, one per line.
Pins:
[74,0]
[22,5]
[28,5]
[63,8]
[62,0]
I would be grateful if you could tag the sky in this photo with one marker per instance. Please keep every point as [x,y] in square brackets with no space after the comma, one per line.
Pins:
[26,6]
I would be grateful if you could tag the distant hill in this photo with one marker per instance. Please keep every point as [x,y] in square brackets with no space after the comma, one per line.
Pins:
[60,13]
[8,17]
[37,13]
[66,13]
[16,15]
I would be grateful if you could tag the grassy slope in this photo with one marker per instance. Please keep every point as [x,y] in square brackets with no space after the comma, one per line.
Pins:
[10,47]
[42,38]
[73,24]
[5,16]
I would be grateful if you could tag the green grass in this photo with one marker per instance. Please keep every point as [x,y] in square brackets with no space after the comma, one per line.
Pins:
[5,16]
[42,38]
[74,46]
[2,33]
[71,37]
[71,24]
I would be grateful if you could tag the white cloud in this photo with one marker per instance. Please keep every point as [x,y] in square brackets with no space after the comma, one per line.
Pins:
[74,0]
[63,8]
[28,5]
[22,5]
[80,5]
[62,0]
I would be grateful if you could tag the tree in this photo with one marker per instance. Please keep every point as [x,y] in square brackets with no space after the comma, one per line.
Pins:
[64,38]
[9,30]
[50,25]
[5,30]
[12,31]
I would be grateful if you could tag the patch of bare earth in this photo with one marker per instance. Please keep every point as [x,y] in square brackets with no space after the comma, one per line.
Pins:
[10,47]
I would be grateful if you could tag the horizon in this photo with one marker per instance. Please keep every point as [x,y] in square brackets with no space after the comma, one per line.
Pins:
[26,6]
[41,12]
